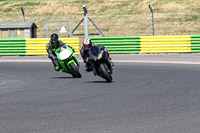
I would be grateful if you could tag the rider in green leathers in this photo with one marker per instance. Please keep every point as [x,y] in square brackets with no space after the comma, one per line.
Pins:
[52,46]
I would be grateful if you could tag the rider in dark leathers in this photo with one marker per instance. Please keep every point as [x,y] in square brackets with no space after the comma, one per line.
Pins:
[52,46]
[87,50]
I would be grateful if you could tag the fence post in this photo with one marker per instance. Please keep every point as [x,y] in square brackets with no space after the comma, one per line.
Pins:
[70,28]
[152,20]
[47,29]
[85,20]
[23,14]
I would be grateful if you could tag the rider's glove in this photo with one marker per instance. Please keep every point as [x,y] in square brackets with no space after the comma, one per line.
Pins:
[95,59]
[54,58]
[86,60]
[106,50]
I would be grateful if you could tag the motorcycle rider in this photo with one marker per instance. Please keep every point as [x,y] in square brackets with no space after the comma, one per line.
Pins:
[89,47]
[52,46]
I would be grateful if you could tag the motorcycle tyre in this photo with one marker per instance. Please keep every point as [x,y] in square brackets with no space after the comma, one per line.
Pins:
[106,75]
[75,69]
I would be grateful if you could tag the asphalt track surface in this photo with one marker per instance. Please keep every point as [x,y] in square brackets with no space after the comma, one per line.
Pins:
[149,94]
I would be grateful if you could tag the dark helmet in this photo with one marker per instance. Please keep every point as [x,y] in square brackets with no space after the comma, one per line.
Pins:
[54,38]
[87,43]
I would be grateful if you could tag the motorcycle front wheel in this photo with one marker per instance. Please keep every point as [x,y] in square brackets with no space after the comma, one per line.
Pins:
[75,70]
[105,73]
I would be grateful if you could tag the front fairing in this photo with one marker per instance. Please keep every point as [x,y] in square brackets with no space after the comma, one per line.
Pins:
[94,51]
[63,53]
[66,56]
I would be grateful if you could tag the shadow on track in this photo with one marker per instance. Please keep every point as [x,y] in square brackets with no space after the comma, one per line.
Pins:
[63,77]
[98,82]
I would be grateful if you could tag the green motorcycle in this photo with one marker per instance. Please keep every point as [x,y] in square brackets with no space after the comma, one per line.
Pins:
[68,61]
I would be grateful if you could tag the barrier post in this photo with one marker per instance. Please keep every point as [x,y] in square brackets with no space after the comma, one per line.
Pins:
[152,20]
[23,14]
[85,20]
[47,29]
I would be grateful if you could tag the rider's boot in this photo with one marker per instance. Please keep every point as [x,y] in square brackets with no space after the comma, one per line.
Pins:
[57,68]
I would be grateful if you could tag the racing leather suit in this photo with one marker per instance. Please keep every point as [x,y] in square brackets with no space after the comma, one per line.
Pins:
[52,55]
[86,53]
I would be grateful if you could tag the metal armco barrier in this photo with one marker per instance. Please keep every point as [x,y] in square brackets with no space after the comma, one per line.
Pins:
[32,46]
[150,44]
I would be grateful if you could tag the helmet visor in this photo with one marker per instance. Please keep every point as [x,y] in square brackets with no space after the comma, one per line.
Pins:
[53,41]
[86,46]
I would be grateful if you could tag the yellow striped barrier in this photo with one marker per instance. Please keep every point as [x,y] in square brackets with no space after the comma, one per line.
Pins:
[37,46]
[133,44]
[150,44]
[165,44]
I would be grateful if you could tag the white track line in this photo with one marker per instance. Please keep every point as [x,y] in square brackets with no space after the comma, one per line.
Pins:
[153,61]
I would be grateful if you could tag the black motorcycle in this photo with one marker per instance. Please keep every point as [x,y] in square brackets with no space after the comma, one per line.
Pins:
[101,64]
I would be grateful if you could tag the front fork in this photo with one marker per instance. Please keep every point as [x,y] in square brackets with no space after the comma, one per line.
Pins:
[75,59]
